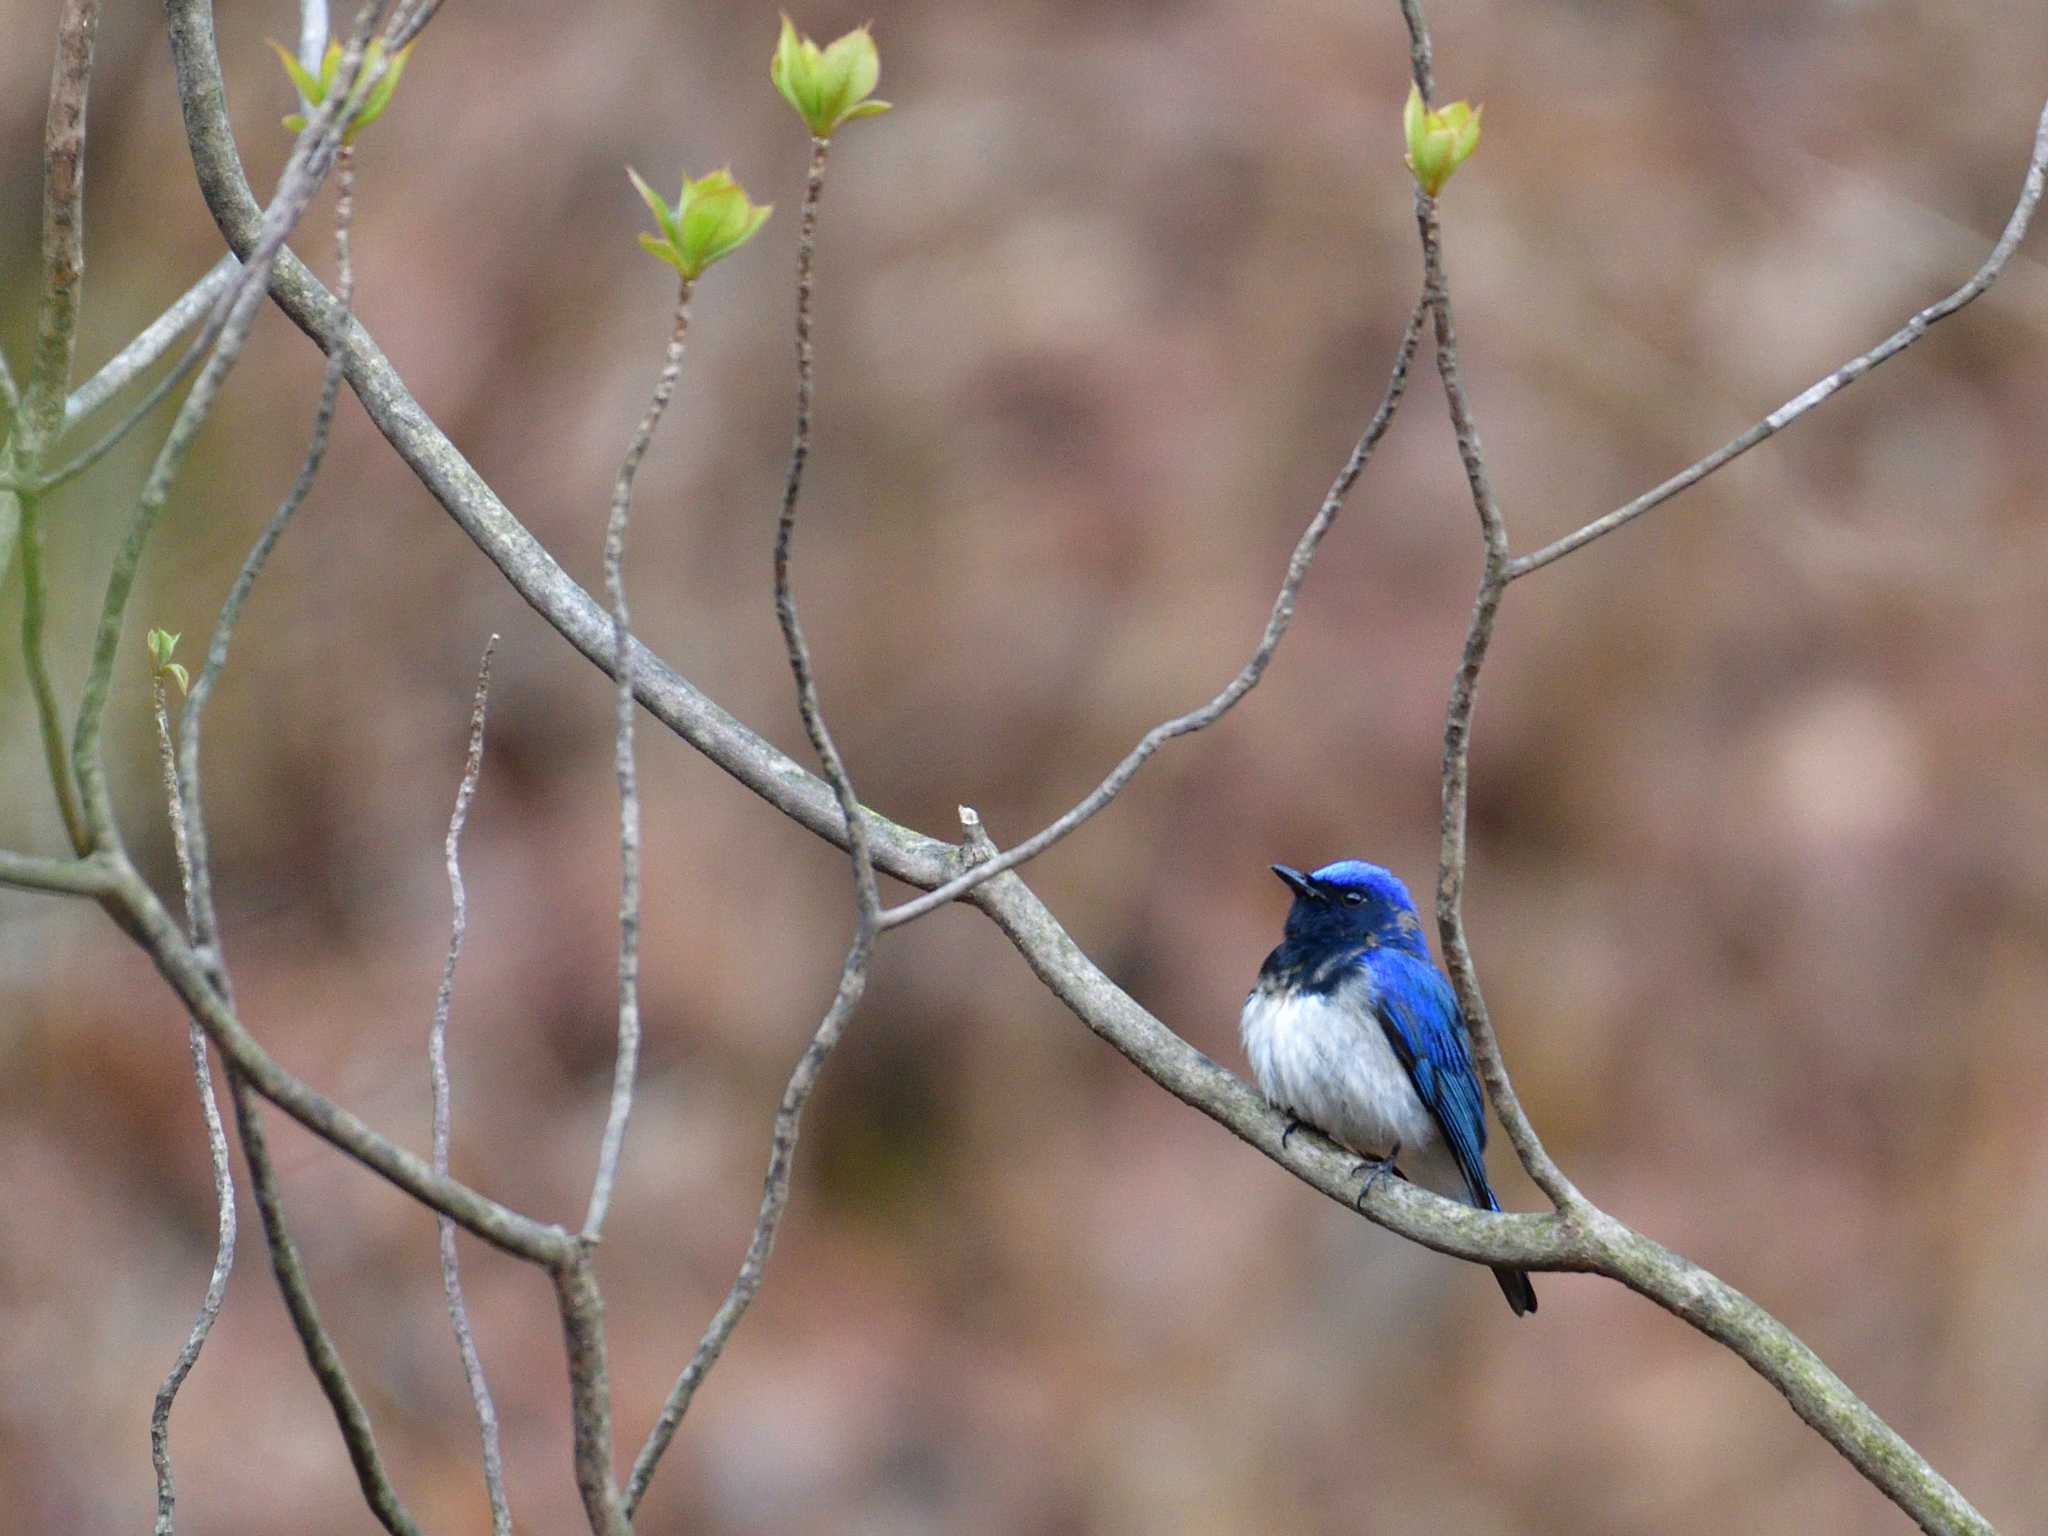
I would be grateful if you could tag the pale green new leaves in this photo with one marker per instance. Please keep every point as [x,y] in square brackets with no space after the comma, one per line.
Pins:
[1438,141]
[313,89]
[830,85]
[712,218]
[162,643]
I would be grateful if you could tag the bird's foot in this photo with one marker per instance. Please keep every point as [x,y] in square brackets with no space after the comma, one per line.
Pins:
[1375,1169]
[1293,1125]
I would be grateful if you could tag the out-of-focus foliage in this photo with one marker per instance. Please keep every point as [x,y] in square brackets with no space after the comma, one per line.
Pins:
[1760,795]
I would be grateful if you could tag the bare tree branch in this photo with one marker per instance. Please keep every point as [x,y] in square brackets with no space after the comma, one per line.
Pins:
[130,899]
[42,404]
[205,924]
[140,412]
[217,1152]
[293,1282]
[321,1354]
[437,1068]
[495,1224]
[853,972]
[311,156]
[1247,677]
[35,661]
[1815,1392]
[87,876]
[1904,337]
[409,24]
[774,1201]
[590,1390]
[808,706]
[37,410]
[1450,889]
[623,769]
[155,339]
[216,1287]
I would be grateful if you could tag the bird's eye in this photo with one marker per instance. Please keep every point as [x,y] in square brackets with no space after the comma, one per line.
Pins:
[1353,898]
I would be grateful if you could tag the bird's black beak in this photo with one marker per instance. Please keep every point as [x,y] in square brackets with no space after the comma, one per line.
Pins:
[1298,883]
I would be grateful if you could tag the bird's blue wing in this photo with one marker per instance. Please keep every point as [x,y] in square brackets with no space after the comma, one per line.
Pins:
[1419,1013]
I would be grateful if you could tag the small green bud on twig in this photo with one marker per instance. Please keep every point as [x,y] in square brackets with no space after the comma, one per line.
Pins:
[162,645]
[375,84]
[830,85]
[712,217]
[1440,140]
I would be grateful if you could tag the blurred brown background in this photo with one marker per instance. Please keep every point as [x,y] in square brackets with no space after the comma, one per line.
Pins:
[1759,887]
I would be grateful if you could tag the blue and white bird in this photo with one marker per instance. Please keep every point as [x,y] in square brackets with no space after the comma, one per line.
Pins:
[1352,1029]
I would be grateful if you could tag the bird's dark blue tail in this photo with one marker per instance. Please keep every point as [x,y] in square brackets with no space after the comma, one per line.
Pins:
[1514,1283]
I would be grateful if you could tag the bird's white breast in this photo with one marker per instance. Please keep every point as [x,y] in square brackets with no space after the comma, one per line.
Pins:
[1326,1060]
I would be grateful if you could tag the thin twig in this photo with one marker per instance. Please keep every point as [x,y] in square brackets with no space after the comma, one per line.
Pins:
[1451,861]
[42,405]
[216,1285]
[1816,1393]
[311,156]
[408,24]
[205,924]
[1450,888]
[1247,677]
[437,1068]
[10,392]
[785,528]
[854,972]
[1904,337]
[217,1152]
[194,353]
[293,1283]
[152,343]
[192,976]
[627,1063]
[774,1201]
[321,1355]
[312,34]
[88,876]
[167,760]
[35,660]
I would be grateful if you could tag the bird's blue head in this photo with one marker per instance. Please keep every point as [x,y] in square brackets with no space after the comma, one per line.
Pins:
[1352,902]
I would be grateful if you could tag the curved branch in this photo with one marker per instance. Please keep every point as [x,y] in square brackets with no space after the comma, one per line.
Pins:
[2009,241]
[321,1355]
[88,876]
[151,343]
[1247,676]
[1450,884]
[867,898]
[853,972]
[853,976]
[130,901]
[1820,1397]
[437,1075]
[627,1062]
[217,1154]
